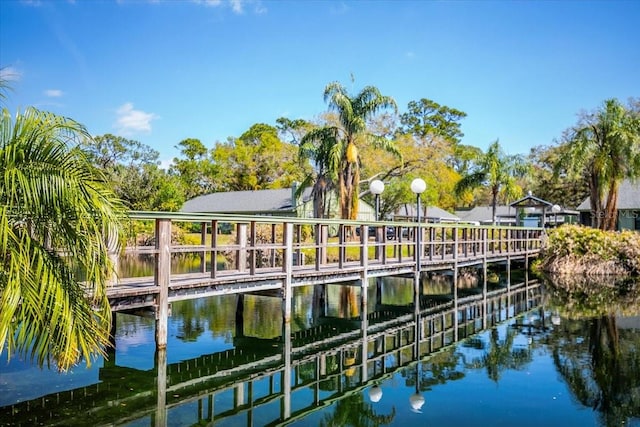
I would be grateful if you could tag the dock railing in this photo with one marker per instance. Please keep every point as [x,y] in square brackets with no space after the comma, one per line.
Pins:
[253,245]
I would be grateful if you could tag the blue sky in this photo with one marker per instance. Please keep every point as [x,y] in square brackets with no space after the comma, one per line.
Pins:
[162,71]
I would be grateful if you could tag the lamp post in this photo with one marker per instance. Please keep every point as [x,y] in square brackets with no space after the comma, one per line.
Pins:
[555,209]
[418,186]
[377,187]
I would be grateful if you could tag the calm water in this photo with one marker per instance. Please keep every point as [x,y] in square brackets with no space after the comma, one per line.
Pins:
[528,357]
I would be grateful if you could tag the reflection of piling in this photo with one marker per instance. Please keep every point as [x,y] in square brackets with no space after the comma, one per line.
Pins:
[240,316]
[161,383]
[378,291]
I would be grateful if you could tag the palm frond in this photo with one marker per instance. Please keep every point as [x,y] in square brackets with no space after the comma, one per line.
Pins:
[53,203]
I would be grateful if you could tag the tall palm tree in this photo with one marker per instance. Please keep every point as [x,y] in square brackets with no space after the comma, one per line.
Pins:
[340,142]
[57,221]
[498,171]
[320,150]
[604,148]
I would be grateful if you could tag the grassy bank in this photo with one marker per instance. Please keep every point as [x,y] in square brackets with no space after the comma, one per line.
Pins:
[573,249]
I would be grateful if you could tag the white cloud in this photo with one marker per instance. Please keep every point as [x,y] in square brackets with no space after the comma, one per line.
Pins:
[236,6]
[53,93]
[130,121]
[10,74]
[210,3]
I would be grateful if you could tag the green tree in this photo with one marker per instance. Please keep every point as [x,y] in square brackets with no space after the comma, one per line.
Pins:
[292,131]
[197,170]
[604,148]
[57,218]
[496,170]
[134,174]
[343,139]
[557,187]
[258,160]
[428,120]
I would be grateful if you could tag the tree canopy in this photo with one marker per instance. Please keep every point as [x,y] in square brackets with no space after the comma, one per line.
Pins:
[342,139]
[603,148]
[496,170]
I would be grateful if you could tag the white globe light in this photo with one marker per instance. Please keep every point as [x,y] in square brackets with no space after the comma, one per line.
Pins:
[556,208]
[416,400]
[375,393]
[376,187]
[418,185]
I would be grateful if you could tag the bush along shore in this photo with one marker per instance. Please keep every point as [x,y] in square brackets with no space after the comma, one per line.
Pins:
[573,249]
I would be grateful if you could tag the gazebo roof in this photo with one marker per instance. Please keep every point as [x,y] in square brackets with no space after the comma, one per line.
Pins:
[531,201]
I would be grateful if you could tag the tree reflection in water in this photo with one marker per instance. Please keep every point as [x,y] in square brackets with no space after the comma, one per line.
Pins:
[609,379]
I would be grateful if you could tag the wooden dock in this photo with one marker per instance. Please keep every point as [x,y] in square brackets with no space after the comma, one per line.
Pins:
[242,254]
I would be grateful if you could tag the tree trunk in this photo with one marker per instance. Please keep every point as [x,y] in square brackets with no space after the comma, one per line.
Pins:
[611,208]
[596,206]
[494,202]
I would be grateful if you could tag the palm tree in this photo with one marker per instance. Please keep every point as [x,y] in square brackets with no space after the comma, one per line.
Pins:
[339,143]
[604,148]
[498,171]
[57,221]
[320,150]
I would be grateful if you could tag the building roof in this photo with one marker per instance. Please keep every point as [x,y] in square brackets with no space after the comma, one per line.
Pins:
[246,202]
[628,196]
[485,214]
[432,212]
[531,201]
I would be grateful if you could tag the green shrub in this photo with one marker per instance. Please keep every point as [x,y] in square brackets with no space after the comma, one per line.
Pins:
[575,249]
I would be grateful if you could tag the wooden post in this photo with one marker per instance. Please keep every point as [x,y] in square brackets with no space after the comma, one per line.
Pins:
[241,240]
[214,246]
[364,277]
[252,252]
[162,279]
[454,231]
[288,267]
[455,302]
[341,243]
[203,241]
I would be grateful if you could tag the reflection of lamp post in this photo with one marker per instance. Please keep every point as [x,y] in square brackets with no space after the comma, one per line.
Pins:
[375,393]
[555,209]
[416,400]
[377,187]
[418,186]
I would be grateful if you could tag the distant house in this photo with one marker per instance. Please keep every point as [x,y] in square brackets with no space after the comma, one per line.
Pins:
[278,202]
[532,211]
[529,211]
[407,212]
[505,215]
[628,207]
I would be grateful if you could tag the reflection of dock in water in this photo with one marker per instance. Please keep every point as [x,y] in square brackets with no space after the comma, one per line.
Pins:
[264,376]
